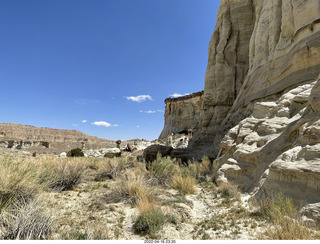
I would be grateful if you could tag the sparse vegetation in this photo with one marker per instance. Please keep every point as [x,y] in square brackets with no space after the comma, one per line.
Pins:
[98,198]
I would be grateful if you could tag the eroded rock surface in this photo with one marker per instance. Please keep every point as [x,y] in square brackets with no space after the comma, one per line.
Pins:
[277,148]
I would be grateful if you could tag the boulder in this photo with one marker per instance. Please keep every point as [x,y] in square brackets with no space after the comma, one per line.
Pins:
[312,211]
[112,152]
[150,153]
[130,148]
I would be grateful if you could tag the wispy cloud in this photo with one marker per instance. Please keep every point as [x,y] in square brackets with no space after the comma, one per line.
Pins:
[75,125]
[140,98]
[138,126]
[175,95]
[84,121]
[148,112]
[151,111]
[104,124]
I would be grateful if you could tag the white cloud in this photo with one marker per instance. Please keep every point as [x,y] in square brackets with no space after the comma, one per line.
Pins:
[148,112]
[175,95]
[152,111]
[102,123]
[84,121]
[138,126]
[140,98]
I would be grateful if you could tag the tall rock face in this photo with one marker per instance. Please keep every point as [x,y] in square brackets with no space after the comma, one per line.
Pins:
[228,60]
[260,112]
[182,114]
[268,139]
[258,49]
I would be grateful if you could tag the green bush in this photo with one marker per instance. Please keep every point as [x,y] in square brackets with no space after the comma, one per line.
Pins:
[76,152]
[162,171]
[150,222]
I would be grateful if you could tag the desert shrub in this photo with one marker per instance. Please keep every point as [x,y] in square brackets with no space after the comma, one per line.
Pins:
[76,152]
[18,181]
[151,219]
[63,174]
[149,222]
[162,170]
[131,187]
[185,185]
[26,221]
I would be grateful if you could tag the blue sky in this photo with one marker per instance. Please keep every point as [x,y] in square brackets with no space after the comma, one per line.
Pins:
[99,66]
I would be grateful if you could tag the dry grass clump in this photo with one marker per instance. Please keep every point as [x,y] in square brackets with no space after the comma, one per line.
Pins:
[62,174]
[229,191]
[201,171]
[112,168]
[185,185]
[131,187]
[22,214]
[162,171]
[286,221]
[204,168]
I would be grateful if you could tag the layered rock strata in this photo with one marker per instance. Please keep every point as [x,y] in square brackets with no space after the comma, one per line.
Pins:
[32,133]
[182,114]
[46,140]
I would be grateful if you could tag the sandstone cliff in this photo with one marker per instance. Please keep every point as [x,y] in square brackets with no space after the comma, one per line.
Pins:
[258,48]
[273,145]
[182,114]
[259,117]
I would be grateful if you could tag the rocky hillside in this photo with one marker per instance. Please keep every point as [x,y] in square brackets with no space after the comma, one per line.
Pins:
[28,132]
[31,138]
[259,117]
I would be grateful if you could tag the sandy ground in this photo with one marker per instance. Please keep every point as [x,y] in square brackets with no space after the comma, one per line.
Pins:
[83,213]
